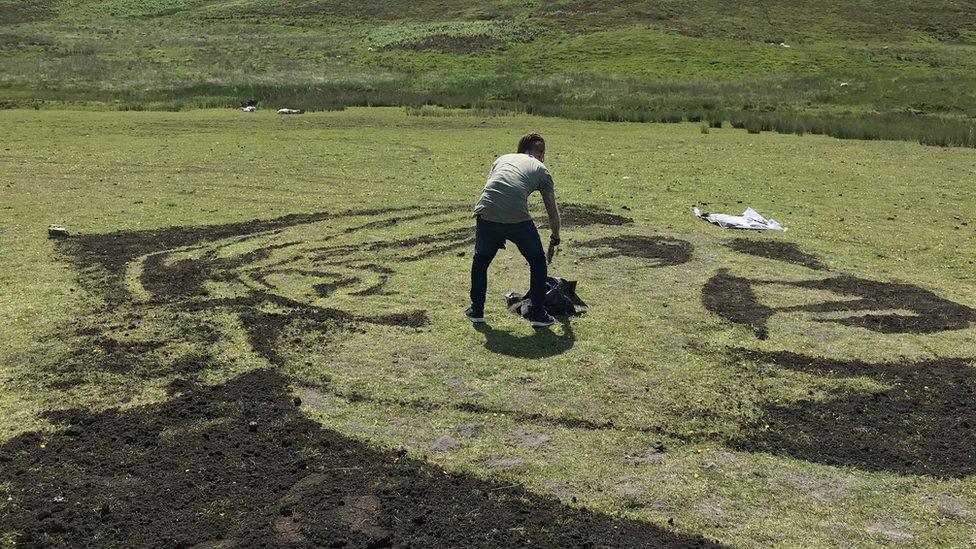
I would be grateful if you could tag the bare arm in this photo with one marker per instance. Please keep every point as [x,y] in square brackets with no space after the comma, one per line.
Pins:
[549,198]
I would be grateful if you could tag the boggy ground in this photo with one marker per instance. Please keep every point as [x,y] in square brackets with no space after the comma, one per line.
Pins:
[238,465]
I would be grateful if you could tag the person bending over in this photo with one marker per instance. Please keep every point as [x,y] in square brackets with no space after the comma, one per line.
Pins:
[502,214]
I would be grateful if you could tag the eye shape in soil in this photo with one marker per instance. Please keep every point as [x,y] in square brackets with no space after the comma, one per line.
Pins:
[184,278]
[662,251]
[375,289]
[110,253]
[733,298]
[178,288]
[923,425]
[581,215]
[780,251]
[239,464]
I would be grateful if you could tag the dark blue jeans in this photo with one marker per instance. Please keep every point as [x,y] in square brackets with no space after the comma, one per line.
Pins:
[489,238]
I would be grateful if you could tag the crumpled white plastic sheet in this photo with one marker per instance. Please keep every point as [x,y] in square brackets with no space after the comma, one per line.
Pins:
[750,219]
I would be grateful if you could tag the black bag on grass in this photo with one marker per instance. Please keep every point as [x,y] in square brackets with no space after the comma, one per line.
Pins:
[561,299]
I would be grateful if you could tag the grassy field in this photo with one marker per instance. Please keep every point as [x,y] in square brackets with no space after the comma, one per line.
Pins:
[708,390]
[574,58]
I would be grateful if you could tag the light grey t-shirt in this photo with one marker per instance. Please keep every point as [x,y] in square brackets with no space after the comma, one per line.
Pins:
[512,179]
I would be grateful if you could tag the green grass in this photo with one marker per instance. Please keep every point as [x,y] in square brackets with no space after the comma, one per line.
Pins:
[901,57]
[647,357]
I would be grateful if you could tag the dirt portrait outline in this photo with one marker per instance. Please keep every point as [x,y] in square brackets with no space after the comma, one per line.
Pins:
[919,426]
[239,457]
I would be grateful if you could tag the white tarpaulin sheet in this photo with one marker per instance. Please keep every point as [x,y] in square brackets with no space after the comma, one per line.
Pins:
[750,219]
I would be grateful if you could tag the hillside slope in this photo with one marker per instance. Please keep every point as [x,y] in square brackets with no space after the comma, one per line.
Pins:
[831,57]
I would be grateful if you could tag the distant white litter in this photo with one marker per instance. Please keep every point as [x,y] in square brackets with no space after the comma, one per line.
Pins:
[290,111]
[750,220]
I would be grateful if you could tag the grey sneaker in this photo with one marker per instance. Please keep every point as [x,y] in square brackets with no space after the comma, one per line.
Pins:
[540,318]
[476,317]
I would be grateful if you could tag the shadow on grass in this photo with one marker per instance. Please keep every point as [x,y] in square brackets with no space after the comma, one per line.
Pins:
[541,344]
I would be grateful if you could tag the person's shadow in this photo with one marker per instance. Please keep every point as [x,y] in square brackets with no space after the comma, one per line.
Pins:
[543,343]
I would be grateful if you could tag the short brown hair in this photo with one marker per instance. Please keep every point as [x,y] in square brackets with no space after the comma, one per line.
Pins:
[531,142]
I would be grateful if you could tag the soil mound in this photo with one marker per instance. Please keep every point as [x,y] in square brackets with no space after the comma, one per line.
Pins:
[662,251]
[780,251]
[923,425]
[239,464]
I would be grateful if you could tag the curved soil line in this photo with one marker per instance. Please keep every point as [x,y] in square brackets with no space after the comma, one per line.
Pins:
[779,251]
[662,251]
[732,297]
[582,215]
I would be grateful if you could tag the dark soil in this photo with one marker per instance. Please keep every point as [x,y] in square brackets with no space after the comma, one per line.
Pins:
[239,465]
[732,298]
[924,424]
[375,289]
[113,251]
[185,277]
[263,329]
[179,296]
[581,215]
[780,251]
[662,251]
[326,288]
[105,345]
